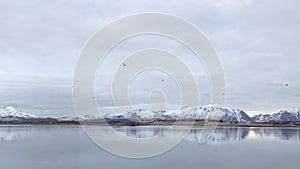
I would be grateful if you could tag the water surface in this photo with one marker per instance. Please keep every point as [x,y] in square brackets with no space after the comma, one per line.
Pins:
[66,147]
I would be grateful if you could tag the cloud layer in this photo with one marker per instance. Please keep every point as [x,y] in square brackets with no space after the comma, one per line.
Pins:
[257,42]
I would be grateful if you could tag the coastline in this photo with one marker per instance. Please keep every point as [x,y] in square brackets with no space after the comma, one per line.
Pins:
[154,123]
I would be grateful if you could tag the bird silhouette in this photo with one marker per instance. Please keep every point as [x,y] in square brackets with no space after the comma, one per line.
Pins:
[284,85]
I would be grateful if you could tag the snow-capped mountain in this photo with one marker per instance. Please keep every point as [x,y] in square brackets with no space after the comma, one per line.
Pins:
[281,116]
[11,114]
[209,112]
[215,112]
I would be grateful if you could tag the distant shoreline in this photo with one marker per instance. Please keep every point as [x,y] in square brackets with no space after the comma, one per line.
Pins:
[154,123]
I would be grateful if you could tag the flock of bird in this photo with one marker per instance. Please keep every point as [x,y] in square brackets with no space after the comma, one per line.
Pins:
[281,85]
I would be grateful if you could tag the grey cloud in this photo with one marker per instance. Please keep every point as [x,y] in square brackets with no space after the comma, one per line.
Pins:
[257,42]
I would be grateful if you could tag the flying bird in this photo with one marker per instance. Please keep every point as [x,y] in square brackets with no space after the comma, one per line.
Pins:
[284,85]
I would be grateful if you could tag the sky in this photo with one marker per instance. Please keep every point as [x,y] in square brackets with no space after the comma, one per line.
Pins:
[257,42]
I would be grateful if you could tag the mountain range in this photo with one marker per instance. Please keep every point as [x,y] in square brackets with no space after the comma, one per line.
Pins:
[208,112]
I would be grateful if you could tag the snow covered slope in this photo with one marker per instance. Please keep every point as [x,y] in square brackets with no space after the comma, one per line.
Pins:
[209,112]
[216,112]
[281,116]
[11,114]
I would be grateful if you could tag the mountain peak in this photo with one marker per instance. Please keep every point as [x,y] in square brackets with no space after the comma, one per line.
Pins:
[10,109]
[10,113]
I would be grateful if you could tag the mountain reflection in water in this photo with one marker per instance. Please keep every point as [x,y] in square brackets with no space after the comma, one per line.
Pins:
[220,135]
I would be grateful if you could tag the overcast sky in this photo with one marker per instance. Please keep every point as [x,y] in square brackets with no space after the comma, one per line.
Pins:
[257,42]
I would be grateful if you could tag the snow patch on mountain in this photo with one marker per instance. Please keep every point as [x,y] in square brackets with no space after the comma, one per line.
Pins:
[209,112]
[10,113]
[281,116]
